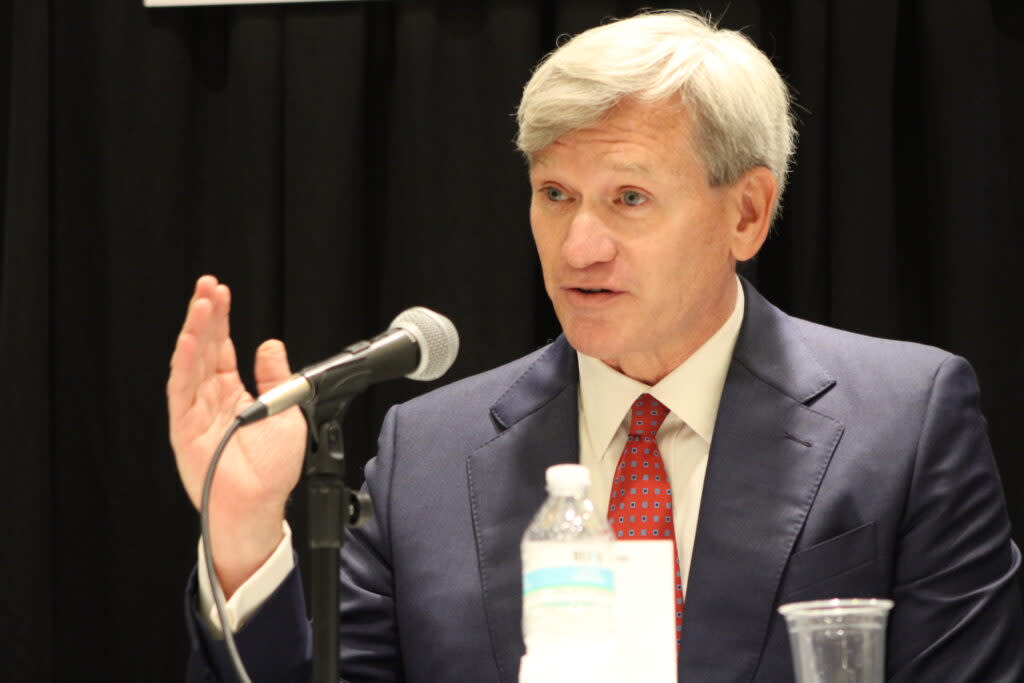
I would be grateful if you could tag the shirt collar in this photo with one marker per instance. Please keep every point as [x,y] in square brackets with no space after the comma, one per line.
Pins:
[692,391]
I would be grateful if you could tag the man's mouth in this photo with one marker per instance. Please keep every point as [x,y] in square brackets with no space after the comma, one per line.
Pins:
[591,298]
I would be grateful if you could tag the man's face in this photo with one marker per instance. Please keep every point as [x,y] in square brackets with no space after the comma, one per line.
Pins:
[634,243]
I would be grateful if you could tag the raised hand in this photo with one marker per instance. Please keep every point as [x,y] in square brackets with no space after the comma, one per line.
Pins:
[261,463]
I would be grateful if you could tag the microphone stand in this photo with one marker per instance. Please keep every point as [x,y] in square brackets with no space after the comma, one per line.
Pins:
[332,507]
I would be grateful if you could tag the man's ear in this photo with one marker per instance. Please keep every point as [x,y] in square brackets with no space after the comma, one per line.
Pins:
[754,195]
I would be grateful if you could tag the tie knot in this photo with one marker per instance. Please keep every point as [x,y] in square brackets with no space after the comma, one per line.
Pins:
[646,416]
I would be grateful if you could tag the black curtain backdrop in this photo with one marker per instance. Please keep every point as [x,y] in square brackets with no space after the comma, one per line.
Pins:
[338,162]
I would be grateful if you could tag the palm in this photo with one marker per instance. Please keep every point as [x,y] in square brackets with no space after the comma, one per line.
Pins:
[261,460]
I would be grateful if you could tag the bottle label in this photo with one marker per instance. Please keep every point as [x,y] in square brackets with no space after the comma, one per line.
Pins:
[575,575]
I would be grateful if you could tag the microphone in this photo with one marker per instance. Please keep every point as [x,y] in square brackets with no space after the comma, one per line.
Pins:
[420,344]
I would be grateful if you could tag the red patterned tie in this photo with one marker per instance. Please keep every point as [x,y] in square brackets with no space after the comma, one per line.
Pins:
[640,505]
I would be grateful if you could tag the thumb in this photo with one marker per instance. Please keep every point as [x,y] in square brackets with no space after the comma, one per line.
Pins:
[271,365]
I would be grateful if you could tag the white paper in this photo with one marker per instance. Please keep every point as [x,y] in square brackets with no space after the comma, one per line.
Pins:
[645,606]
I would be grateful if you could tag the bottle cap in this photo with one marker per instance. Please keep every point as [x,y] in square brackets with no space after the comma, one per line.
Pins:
[567,480]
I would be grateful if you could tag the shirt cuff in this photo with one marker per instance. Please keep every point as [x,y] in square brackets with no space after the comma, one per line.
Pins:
[251,594]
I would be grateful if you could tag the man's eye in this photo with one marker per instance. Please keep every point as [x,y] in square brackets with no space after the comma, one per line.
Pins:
[633,198]
[554,194]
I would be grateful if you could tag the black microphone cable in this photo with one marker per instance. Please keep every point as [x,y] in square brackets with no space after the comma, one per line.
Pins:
[204,523]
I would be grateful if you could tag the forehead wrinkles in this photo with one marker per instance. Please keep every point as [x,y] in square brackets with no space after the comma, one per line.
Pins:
[632,136]
[647,155]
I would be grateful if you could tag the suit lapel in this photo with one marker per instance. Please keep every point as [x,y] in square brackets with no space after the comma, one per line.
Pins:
[769,452]
[538,416]
[768,455]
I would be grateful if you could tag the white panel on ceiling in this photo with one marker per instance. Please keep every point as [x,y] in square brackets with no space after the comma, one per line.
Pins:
[185,3]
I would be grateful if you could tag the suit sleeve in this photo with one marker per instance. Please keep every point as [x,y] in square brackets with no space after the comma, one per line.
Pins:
[275,644]
[958,614]
[369,632]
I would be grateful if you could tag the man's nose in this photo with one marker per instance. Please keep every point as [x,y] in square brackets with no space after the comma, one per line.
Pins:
[588,241]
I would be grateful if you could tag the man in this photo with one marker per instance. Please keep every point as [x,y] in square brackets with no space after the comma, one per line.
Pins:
[804,462]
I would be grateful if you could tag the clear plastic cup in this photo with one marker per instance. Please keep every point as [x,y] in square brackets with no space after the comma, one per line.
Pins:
[838,641]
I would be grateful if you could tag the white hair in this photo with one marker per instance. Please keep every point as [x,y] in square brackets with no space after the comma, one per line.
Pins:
[738,101]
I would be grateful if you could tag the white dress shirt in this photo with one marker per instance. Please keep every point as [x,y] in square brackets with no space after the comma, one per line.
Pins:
[691,392]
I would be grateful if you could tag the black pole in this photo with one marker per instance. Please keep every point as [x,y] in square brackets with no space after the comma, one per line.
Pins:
[332,507]
[328,502]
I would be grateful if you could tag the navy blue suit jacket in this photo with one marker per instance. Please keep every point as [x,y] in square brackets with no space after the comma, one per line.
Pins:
[841,466]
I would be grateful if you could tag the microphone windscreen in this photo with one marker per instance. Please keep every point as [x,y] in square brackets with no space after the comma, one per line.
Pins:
[436,337]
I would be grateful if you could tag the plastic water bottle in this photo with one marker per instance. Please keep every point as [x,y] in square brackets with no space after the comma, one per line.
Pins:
[568,585]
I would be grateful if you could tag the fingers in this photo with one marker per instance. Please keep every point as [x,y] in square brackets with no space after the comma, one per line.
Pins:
[204,288]
[181,381]
[200,309]
[186,361]
[224,359]
[207,321]
[271,365]
[204,345]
